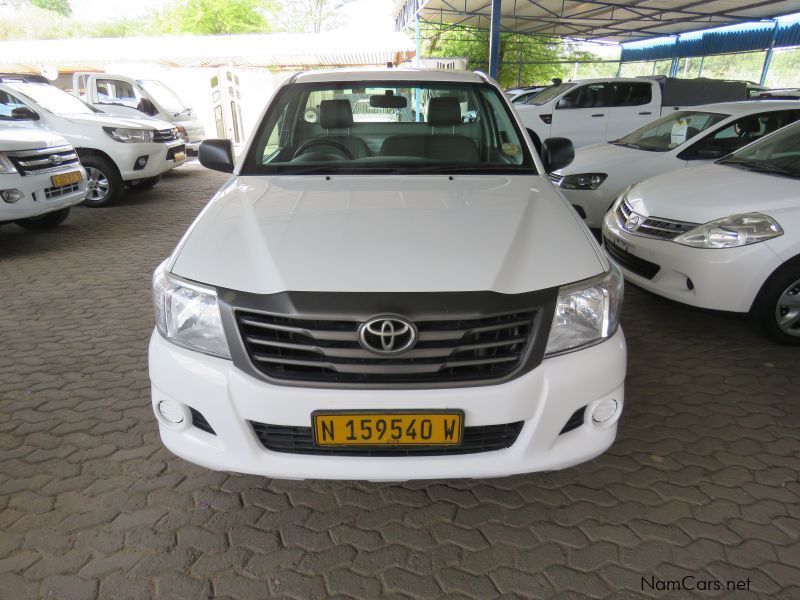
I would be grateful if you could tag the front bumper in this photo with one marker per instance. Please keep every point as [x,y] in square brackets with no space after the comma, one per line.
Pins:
[160,158]
[37,188]
[543,399]
[718,279]
[593,203]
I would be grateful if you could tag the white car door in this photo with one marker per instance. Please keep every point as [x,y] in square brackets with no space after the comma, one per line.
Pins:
[632,104]
[581,115]
[118,95]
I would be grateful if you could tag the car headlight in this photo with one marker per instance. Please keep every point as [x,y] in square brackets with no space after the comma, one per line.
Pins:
[583,181]
[732,232]
[188,314]
[182,132]
[130,136]
[6,166]
[586,313]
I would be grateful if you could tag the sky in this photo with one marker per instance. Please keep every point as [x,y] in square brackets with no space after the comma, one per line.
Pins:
[361,15]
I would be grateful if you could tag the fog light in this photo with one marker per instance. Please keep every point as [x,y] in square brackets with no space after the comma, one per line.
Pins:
[11,196]
[141,162]
[171,411]
[604,411]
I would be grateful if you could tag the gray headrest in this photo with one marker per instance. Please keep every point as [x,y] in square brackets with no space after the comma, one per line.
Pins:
[335,114]
[444,112]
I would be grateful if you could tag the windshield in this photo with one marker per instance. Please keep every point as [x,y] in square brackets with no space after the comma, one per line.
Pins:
[778,154]
[393,127]
[545,96]
[53,99]
[163,96]
[671,131]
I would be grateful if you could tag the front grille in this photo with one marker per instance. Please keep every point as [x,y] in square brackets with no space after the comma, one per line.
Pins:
[300,440]
[166,135]
[328,351]
[55,192]
[664,229]
[556,179]
[632,263]
[45,160]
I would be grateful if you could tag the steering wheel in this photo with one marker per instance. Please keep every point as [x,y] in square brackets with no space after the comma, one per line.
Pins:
[322,142]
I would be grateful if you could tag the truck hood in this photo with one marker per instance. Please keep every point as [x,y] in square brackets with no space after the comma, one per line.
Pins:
[29,139]
[106,120]
[387,234]
[709,192]
[598,158]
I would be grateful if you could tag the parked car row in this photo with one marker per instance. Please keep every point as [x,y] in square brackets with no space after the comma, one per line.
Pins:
[57,151]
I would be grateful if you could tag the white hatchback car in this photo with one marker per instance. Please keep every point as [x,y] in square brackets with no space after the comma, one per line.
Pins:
[600,173]
[724,236]
[387,300]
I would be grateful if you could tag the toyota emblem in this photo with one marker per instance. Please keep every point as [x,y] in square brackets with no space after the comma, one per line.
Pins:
[387,336]
[56,159]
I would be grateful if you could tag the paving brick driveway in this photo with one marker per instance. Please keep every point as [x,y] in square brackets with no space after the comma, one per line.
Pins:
[702,481]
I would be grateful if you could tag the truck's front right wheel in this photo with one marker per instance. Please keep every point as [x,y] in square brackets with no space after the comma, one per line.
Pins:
[104,184]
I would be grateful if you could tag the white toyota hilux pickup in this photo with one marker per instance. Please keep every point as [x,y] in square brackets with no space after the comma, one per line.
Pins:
[387,299]
[40,178]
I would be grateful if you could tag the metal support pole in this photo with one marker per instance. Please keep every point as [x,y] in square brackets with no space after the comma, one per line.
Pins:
[768,57]
[416,64]
[702,60]
[619,69]
[494,39]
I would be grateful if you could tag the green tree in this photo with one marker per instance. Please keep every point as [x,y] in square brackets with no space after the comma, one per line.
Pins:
[210,17]
[309,16]
[61,7]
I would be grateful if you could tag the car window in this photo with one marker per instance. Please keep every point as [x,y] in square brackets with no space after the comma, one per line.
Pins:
[630,93]
[746,130]
[548,94]
[670,131]
[592,95]
[8,103]
[53,99]
[777,154]
[396,127]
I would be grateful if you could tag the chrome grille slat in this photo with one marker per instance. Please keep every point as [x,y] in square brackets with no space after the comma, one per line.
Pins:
[655,227]
[29,162]
[321,350]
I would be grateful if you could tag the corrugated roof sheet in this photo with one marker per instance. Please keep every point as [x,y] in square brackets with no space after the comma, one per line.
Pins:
[272,51]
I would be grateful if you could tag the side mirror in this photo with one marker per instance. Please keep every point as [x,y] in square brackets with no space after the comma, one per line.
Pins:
[557,153]
[23,113]
[216,155]
[147,107]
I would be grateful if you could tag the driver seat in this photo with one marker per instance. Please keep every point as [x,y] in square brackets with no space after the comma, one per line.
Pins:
[338,115]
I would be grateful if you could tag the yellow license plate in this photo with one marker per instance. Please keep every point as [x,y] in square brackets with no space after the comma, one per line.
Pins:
[388,428]
[66,178]
[179,156]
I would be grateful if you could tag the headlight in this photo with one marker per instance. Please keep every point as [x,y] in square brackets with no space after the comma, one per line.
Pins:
[731,232]
[129,136]
[188,314]
[6,166]
[583,181]
[586,313]
[182,132]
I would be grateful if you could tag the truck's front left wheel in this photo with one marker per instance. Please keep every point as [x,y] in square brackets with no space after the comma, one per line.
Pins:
[51,219]
[104,184]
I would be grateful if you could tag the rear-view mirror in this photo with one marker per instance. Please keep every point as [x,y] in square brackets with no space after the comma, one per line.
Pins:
[388,101]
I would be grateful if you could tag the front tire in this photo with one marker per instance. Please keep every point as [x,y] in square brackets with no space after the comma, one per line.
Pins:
[48,221]
[104,184]
[777,308]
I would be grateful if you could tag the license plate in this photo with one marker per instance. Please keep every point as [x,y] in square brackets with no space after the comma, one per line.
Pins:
[619,244]
[66,178]
[179,156]
[398,428]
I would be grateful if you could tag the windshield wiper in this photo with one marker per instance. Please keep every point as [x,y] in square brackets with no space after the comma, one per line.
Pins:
[470,168]
[760,166]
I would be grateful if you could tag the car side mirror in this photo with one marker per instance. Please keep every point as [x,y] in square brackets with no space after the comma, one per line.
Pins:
[147,107]
[557,153]
[23,113]
[216,155]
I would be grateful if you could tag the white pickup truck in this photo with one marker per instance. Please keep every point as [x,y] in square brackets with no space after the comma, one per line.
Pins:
[115,151]
[596,110]
[40,177]
[126,97]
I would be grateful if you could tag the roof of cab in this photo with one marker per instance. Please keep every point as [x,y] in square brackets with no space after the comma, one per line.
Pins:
[384,74]
[746,107]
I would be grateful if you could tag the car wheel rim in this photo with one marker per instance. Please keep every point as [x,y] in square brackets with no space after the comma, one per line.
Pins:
[97,184]
[787,311]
